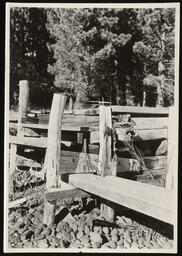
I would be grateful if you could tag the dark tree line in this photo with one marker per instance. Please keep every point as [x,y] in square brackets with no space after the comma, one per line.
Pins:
[93,54]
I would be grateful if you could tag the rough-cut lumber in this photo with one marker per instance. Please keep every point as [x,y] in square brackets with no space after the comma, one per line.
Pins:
[147,199]
[152,134]
[53,153]
[28,141]
[172,163]
[105,164]
[140,110]
[147,123]
[17,202]
[13,150]
[24,89]
[23,161]
[66,191]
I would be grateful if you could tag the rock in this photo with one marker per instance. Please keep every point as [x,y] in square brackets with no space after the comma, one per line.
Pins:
[155,245]
[134,245]
[95,237]
[73,237]
[79,235]
[126,234]
[89,221]
[162,149]
[105,230]
[97,229]
[46,231]
[39,237]
[114,232]
[120,221]
[120,244]
[38,230]
[126,244]
[121,231]
[43,243]
[75,227]
[128,221]
[87,230]
[112,245]
[147,244]
[114,238]
[77,244]
[96,245]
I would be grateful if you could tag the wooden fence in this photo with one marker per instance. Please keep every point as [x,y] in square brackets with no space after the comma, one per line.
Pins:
[89,152]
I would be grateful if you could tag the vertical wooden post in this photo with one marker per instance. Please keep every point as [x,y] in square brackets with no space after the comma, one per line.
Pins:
[23,108]
[53,153]
[24,89]
[12,166]
[106,160]
[70,104]
[172,163]
[144,99]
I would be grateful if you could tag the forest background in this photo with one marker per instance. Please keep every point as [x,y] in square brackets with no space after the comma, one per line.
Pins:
[119,55]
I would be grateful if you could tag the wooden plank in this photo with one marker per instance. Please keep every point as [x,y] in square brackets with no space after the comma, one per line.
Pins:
[53,153]
[153,134]
[147,199]
[147,123]
[66,191]
[140,110]
[16,202]
[28,141]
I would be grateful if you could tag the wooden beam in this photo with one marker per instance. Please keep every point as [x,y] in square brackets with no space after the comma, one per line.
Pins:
[140,110]
[28,141]
[152,134]
[148,123]
[147,199]
[53,153]
[66,191]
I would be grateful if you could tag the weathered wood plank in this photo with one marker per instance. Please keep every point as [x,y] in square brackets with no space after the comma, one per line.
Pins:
[148,123]
[140,110]
[16,202]
[66,191]
[152,134]
[53,153]
[147,199]
[28,141]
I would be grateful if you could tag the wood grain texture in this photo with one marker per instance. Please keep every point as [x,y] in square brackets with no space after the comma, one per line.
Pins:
[53,153]
[147,199]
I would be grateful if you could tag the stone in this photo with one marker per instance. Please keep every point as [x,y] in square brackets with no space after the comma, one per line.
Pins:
[114,238]
[114,232]
[79,235]
[126,244]
[162,149]
[105,230]
[96,245]
[43,243]
[95,237]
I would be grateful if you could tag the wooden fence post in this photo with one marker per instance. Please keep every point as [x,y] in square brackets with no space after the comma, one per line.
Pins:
[22,112]
[106,165]
[172,145]
[24,89]
[53,153]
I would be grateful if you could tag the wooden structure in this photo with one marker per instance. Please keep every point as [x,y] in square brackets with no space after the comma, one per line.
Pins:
[84,149]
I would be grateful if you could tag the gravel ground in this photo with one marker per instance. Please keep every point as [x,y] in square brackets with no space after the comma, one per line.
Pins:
[77,225]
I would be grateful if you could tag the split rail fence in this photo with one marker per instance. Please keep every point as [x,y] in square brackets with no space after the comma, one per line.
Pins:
[91,152]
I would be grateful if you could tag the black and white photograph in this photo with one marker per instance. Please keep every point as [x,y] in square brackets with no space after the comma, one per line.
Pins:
[91,127]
